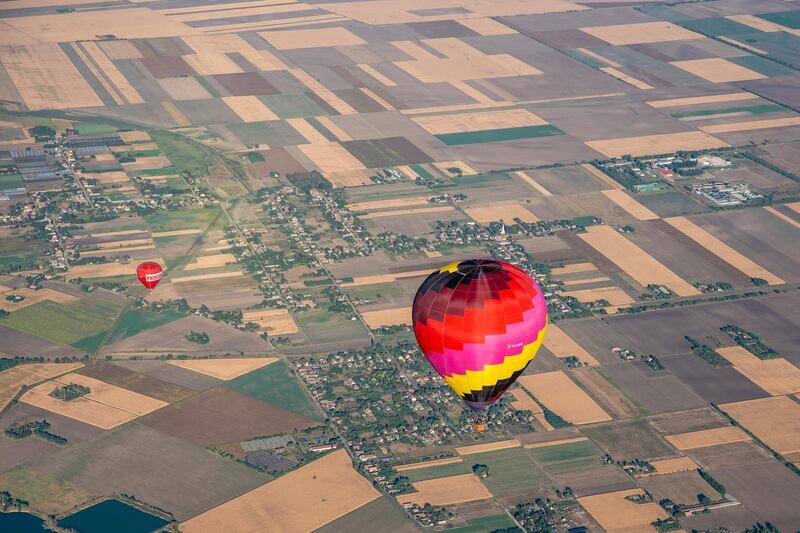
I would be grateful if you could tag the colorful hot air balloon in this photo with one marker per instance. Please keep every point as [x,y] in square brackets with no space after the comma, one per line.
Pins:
[149,273]
[479,322]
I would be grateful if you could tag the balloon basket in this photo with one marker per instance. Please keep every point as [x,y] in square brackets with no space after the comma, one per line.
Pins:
[479,425]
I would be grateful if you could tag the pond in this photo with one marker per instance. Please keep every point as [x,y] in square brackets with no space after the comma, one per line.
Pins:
[22,523]
[112,515]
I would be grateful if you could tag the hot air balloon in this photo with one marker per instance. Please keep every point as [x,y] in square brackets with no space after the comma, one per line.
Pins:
[149,273]
[479,322]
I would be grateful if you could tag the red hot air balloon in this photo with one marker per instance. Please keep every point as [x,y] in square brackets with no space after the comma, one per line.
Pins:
[479,322]
[149,274]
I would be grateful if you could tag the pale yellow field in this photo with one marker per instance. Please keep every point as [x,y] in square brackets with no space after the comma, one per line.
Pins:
[384,278]
[106,270]
[307,131]
[562,345]
[381,101]
[203,277]
[640,33]
[426,464]
[752,125]
[634,261]
[696,100]
[723,251]
[32,297]
[313,38]
[45,77]
[776,376]
[49,370]
[740,44]
[629,204]
[179,118]
[148,163]
[614,295]
[656,144]
[209,64]
[598,279]
[472,92]
[118,81]
[794,206]
[245,11]
[11,382]
[523,402]
[94,253]
[404,212]
[446,491]
[233,43]
[437,70]
[466,170]
[775,421]
[613,512]
[562,396]
[478,121]
[394,202]
[487,447]
[486,26]
[573,269]
[627,78]
[210,261]
[106,406]
[756,22]
[369,69]
[783,217]
[387,317]
[504,212]
[670,466]
[275,321]
[323,92]
[718,70]
[602,176]
[176,233]
[452,47]
[83,25]
[526,177]
[224,369]
[330,157]
[558,442]
[329,486]
[349,178]
[707,437]
[120,50]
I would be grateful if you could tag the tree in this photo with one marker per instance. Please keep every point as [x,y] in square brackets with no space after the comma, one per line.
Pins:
[702,498]
[480,470]
[42,131]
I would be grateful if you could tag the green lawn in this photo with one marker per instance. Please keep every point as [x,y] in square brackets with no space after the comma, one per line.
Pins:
[183,153]
[433,472]
[199,218]
[503,134]
[79,324]
[275,384]
[565,452]
[510,471]
[135,321]
[484,524]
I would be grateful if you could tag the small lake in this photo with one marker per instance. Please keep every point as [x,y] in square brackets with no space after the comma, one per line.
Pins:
[22,523]
[112,515]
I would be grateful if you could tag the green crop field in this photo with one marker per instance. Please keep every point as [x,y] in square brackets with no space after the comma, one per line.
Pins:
[324,326]
[502,134]
[94,128]
[184,219]
[510,471]
[79,324]
[754,109]
[275,384]
[292,105]
[763,66]
[565,452]
[433,472]
[11,181]
[135,321]
[719,26]
[392,290]
[157,172]
[184,154]
[207,86]
[789,19]
[485,523]
[421,172]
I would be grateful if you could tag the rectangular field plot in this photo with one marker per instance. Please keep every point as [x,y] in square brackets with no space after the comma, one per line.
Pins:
[511,472]
[646,32]
[629,440]
[656,144]
[224,369]
[718,70]
[275,384]
[434,472]
[381,515]
[680,487]
[447,490]
[560,394]
[337,487]
[776,376]
[499,135]
[613,512]
[775,421]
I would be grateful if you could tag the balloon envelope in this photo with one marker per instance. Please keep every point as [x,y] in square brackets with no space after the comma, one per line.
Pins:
[479,322]
[149,273]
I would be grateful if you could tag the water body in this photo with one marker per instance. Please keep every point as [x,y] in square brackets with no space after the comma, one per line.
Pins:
[22,523]
[112,515]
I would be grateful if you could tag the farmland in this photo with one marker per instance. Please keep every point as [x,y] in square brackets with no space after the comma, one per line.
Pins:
[275,384]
